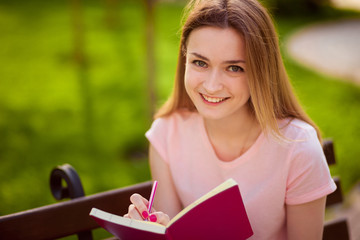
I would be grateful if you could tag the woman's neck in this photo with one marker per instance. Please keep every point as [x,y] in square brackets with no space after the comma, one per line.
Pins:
[231,137]
[236,126]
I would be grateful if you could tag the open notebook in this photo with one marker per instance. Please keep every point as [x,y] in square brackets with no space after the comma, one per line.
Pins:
[219,214]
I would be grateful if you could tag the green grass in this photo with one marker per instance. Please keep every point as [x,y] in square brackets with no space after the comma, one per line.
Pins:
[48,116]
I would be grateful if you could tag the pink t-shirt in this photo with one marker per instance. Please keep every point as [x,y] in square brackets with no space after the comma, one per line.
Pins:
[270,174]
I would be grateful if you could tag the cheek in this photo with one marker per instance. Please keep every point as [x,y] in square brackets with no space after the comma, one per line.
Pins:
[190,80]
[243,84]
[186,80]
[246,88]
[240,86]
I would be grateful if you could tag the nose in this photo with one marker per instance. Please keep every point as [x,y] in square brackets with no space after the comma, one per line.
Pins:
[212,83]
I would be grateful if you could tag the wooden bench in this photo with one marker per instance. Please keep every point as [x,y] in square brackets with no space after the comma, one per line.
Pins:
[335,229]
[72,217]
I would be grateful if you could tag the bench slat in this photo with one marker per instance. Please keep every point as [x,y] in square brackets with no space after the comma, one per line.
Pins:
[328,148]
[335,197]
[67,218]
[336,229]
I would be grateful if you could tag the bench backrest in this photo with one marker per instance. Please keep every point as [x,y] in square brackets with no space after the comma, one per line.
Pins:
[69,217]
[334,229]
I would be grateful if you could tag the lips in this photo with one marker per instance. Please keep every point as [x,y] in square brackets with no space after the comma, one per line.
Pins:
[213,99]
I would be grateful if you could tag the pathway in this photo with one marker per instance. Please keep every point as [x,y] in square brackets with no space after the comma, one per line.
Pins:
[332,48]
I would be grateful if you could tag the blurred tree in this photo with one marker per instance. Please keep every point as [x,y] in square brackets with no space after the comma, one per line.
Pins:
[111,13]
[83,76]
[150,55]
[111,19]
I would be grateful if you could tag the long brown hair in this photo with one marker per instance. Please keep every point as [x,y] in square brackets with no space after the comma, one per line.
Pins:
[272,96]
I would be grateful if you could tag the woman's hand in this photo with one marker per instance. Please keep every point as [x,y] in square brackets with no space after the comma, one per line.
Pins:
[138,210]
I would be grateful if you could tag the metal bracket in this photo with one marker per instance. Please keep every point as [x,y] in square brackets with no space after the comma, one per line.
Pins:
[74,189]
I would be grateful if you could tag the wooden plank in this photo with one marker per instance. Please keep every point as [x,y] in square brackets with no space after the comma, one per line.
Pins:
[328,148]
[336,197]
[67,218]
[336,230]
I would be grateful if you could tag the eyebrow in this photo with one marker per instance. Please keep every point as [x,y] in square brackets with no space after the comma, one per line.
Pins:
[228,61]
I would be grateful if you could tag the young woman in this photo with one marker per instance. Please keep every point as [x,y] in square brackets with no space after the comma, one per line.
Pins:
[233,114]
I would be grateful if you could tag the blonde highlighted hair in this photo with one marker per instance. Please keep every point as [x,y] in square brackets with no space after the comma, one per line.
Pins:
[272,96]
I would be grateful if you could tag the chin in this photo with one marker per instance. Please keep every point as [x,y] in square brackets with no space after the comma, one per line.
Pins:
[212,115]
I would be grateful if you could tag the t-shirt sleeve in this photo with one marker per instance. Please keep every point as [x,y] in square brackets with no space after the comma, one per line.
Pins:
[309,176]
[157,136]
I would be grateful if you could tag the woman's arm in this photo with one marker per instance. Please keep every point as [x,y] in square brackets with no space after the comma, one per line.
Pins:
[306,221]
[166,198]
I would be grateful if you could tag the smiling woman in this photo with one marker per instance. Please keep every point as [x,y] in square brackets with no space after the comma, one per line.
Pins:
[233,114]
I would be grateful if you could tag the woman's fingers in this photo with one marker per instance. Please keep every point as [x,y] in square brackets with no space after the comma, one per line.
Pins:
[138,208]
[134,213]
[160,218]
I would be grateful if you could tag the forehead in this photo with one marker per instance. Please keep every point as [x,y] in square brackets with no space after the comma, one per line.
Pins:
[217,42]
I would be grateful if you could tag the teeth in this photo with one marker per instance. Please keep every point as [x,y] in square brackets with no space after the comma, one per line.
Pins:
[213,99]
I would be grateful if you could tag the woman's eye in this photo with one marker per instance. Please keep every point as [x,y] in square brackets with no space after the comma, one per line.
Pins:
[200,63]
[235,68]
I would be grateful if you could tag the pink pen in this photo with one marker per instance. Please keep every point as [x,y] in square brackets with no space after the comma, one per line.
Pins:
[152,196]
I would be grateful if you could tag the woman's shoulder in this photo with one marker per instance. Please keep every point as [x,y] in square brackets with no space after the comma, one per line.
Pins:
[302,142]
[296,129]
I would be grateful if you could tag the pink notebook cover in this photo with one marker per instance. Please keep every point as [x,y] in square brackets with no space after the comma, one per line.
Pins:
[222,216]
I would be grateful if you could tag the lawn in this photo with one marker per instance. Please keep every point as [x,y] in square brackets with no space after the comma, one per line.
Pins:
[53,111]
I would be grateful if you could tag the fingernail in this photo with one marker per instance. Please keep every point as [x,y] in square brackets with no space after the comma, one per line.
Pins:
[153,218]
[145,214]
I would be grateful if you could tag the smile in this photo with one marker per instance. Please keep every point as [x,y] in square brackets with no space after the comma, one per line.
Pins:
[213,99]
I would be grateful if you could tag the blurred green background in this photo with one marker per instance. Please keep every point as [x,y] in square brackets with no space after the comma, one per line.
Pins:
[73,89]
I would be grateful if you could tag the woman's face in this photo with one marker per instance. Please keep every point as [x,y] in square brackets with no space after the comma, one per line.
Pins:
[215,75]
